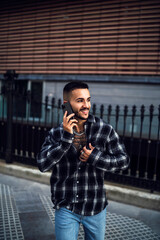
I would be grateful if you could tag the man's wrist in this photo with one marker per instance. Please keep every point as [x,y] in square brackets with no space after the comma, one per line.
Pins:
[67,137]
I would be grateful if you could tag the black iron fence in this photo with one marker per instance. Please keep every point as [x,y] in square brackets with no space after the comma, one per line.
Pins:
[24,127]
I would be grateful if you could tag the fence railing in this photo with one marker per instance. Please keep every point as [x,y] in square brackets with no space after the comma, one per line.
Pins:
[137,122]
[27,123]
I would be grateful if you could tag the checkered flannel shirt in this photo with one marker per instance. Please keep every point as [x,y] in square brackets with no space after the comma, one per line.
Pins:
[76,185]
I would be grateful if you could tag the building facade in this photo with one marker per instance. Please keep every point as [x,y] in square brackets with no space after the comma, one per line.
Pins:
[112,45]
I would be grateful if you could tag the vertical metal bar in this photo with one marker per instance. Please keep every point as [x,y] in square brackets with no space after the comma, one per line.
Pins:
[46,107]
[58,109]
[27,122]
[8,155]
[151,110]
[21,132]
[101,111]
[9,78]
[2,117]
[32,142]
[117,116]
[53,107]
[131,138]
[133,119]
[44,125]
[3,92]
[2,126]
[157,146]
[94,109]
[124,120]
[32,134]
[39,135]
[132,130]
[124,129]
[16,132]
[140,140]
[109,113]
[21,137]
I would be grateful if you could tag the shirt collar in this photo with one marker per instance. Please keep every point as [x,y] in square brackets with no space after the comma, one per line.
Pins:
[90,119]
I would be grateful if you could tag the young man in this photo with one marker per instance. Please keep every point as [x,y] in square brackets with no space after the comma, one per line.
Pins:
[79,152]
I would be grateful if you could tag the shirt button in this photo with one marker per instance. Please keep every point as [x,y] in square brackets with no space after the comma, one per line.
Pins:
[77,181]
[79,168]
[77,196]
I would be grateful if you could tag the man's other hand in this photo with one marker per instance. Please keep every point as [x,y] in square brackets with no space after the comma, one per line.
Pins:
[85,153]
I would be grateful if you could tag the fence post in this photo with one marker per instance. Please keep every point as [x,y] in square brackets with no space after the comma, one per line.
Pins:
[157,146]
[9,78]
[46,107]
[94,109]
[151,110]
[132,131]
[117,116]
[58,109]
[101,111]
[124,120]
[140,140]
[53,106]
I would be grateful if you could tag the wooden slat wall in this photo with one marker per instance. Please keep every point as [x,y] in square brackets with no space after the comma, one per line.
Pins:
[80,37]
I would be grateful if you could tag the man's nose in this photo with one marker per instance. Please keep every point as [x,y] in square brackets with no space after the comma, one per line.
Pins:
[86,104]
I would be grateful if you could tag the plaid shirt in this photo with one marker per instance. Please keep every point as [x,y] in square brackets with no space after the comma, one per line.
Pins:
[76,185]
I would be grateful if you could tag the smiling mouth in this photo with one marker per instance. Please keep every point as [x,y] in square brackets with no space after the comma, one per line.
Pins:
[85,111]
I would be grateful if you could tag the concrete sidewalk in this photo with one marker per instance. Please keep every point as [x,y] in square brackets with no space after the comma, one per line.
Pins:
[26,213]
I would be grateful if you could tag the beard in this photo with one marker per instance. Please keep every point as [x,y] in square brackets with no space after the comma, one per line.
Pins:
[77,115]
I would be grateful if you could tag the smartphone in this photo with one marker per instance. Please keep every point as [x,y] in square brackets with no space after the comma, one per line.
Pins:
[67,107]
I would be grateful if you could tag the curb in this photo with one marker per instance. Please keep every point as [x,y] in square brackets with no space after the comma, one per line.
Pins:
[26,172]
[116,193]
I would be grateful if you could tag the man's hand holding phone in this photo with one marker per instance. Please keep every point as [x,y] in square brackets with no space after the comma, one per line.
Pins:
[68,119]
[69,122]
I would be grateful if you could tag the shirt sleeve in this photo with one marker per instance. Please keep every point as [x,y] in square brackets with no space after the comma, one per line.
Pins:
[114,156]
[53,150]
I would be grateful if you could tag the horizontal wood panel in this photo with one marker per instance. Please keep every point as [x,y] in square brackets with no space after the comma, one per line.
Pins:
[38,70]
[82,66]
[74,37]
[43,44]
[81,69]
[89,34]
[88,48]
[24,22]
[98,50]
[109,64]
[145,37]
[54,24]
[54,58]
[81,27]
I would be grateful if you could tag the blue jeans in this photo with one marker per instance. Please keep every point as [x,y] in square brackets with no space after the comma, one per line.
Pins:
[67,225]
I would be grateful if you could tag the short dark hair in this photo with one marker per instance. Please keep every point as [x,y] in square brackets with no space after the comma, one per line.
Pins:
[72,86]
